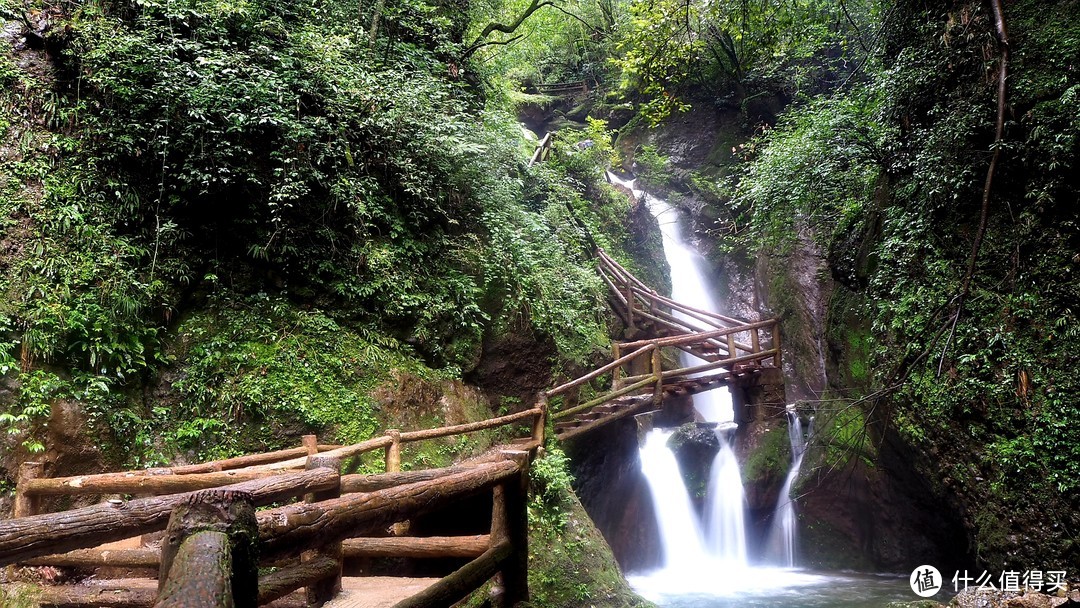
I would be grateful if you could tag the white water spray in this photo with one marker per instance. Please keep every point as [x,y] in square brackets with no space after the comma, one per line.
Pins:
[726,507]
[689,286]
[680,535]
[781,545]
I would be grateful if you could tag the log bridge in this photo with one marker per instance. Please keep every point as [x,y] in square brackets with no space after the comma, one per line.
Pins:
[730,350]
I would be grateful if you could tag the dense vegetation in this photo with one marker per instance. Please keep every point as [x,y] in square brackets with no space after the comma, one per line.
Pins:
[258,212]
[267,207]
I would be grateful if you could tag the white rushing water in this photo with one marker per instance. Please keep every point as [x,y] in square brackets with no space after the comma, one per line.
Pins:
[680,534]
[782,541]
[690,287]
[726,507]
[705,562]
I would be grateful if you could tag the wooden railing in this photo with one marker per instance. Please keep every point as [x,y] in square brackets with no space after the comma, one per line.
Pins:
[543,149]
[563,88]
[728,347]
[638,304]
[309,540]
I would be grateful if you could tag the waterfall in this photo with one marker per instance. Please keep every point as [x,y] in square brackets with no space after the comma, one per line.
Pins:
[689,286]
[725,503]
[725,508]
[680,534]
[781,543]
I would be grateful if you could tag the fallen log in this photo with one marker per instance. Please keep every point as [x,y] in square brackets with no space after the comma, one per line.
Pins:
[29,537]
[291,529]
[419,547]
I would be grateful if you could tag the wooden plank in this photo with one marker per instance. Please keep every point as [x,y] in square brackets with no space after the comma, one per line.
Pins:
[585,428]
[291,529]
[490,423]
[131,483]
[418,547]
[29,537]
[605,398]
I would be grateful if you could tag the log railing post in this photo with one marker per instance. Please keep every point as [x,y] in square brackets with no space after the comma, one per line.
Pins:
[776,344]
[731,349]
[755,341]
[210,553]
[658,373]
[311,444]
[393,451]
[630,305]
[510,524]
[615,373]
[540,422]
[322,591]
[27,504]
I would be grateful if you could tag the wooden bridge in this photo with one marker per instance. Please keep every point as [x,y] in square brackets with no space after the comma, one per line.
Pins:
[730,350]
[321,520]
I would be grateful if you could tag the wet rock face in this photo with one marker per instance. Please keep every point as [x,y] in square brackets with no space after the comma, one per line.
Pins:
[513,366]
[695,447]
[880,516]
[609,483]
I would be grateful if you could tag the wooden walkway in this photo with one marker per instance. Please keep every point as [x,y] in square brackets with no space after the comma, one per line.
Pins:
[322,518]
[730,350]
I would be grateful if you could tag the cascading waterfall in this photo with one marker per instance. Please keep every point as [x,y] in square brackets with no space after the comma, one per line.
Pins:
[689,286]
[725,536]
[725,509]
[782,540]
[680,534]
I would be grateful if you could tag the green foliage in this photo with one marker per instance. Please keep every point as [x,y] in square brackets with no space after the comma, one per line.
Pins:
[843,431]
[569,562]
[259,362]
[549,486]
[818,167]
[727,48]
[887,178]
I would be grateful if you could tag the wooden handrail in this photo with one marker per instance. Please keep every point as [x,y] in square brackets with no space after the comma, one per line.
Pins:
[460,429]
[29,537]
[596,373]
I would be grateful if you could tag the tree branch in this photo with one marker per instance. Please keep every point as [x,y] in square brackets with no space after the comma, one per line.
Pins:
[1003,71]
[493,27]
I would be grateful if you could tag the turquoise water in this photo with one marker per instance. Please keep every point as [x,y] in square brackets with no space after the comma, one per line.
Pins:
[773,587]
